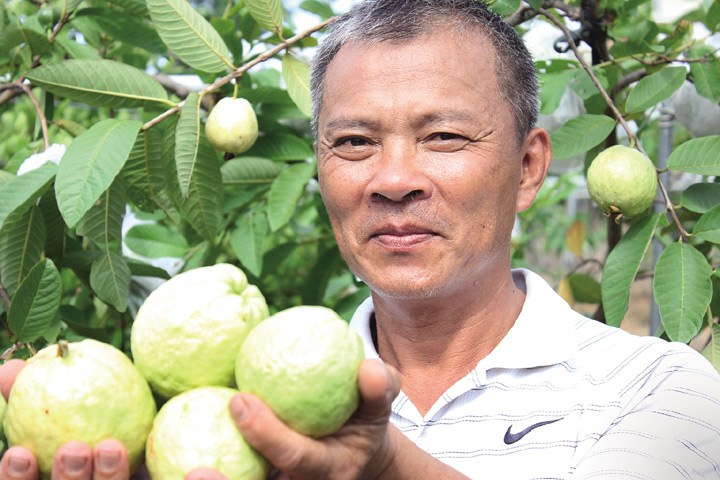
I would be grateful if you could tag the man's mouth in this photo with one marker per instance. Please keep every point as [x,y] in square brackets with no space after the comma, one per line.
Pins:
[402,237]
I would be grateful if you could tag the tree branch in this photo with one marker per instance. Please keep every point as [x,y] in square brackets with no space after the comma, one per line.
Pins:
[41,114]
[241,70]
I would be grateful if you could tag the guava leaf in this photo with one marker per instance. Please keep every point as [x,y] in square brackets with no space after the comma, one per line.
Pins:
[102,224]
[580,134]
[317,280]
[712,351]
[126,27]
[137,7]
[90,164]
[110,280]
[504,7]
[285,192]
[701,197]
[155,241]
[281,147]
[75,319]
[54,224]
[187,140]
[622,265]
[192,38]
[698,155]
[553,88]
[297,78]
[655,88]
[142,173]
[102,83]
[35,303]
[268,13]
[248,241]
[22,191]
[575,237]
[585,289]
[682,289]
[11,36]
[706,75]
[249,170]
[141,269]
[708,225]
[21,247]
[322,9]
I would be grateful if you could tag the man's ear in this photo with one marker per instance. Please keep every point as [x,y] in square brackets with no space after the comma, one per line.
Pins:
[536,156]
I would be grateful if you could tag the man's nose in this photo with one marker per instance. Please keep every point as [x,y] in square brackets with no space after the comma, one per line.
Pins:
[400,175]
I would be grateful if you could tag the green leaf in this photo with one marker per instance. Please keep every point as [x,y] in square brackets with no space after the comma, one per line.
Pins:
[11,36]
[682,289]
[297,78]
[504,7]
[141,269]
[102,83]
[535,4]
[268,13]
[192,38]
[249,170]
[553,88]
[622,265]
[127,28]
[317,280]
[156,241]
[22,191]
[585,289]
[701,197]
[655,88]
[285,192]
[66,6]
[187,138]
[712,351]
[698,155]
[90,164]
[137,7]
[281,147]
[75,319]
[54,224]
[580,134]
[706,75]
[102,224]
[142,173]
[35,303]
[322,9]
[708,225]
[110,280]
[248,241]
[21,247]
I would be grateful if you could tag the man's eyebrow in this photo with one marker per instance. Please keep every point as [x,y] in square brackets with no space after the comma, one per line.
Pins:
[351,123]
[443,117]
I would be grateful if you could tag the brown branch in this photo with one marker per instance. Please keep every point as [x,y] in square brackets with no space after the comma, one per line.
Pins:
[527,12]
[41,114]
[633,139]
[180,90]
[627,80]
[244,68]
[7,354]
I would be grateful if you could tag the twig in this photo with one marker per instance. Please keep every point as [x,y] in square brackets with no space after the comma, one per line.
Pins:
[633,139]
[526,12]
[41,115]
[241,70]
[12,350]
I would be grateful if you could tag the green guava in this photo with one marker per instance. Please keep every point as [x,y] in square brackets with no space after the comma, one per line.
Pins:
[232,125]
[86,391]
[3,407]
[195,429]
[187,332]
[303,362]
[622,180]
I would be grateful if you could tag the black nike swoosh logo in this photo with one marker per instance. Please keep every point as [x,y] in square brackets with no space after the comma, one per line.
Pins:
[511,438]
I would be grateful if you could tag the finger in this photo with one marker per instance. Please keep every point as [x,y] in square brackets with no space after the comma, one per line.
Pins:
[379,385]
[18,463]
[73,461]
[282,446]
[110,461]
[8,372]
[204,473]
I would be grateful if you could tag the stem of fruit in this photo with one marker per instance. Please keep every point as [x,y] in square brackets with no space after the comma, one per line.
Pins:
[63,348]
[244,68]
[618,116]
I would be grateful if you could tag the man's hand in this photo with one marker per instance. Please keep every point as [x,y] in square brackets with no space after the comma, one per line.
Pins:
[73,461]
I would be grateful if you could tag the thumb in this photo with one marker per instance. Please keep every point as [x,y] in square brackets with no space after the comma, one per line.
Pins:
[379,385]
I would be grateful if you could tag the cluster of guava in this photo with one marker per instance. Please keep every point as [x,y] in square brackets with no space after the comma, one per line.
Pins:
[197,340]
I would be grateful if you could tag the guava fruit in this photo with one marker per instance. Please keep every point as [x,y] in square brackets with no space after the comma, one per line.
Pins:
[232,125]
[86,391]
[303,363]
[195,429]
[188,330]
[3,408]
[622,180]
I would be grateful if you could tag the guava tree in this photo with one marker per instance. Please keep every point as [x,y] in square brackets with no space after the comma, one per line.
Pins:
[94,82]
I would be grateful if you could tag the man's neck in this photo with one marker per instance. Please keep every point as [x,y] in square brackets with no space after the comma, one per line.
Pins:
[435,343]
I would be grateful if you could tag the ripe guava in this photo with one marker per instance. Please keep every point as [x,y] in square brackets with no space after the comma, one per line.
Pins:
[622,180]
[187,331]
[195,429]
[303,362]
[232,125]
[86,391]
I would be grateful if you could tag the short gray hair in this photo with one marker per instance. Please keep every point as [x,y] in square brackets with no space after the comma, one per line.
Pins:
[375,21]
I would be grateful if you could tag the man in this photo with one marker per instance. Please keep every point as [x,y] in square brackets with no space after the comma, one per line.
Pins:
[424,114]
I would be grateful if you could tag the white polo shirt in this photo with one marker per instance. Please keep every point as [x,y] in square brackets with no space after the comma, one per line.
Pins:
[566,397]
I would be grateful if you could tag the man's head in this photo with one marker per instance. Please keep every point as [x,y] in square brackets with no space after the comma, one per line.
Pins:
[397,21]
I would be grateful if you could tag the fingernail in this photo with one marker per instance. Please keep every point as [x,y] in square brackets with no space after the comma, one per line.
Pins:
[239,409]
[108,461]
[73,464]
[18,466]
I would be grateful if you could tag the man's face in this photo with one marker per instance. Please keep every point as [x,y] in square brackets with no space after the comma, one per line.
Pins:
[418,164]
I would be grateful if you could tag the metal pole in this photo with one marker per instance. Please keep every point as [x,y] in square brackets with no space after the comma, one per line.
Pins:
[665,143]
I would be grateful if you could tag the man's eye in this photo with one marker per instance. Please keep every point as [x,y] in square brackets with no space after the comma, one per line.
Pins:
[351,142]
[447,136]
